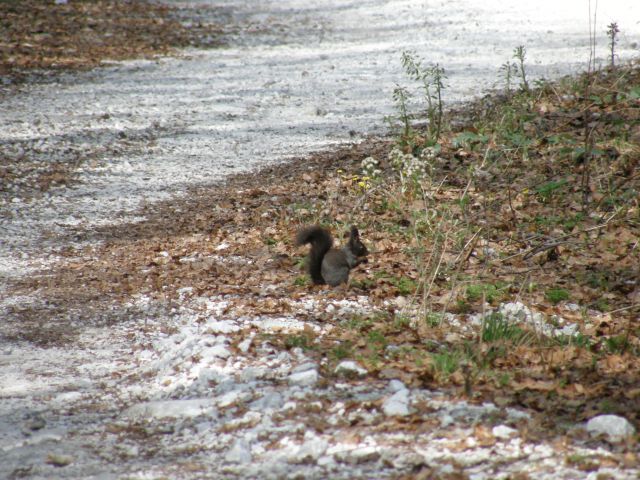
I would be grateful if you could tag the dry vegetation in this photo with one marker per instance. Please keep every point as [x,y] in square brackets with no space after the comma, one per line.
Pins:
[79,34]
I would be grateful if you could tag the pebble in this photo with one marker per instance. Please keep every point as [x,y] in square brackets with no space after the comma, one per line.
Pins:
[310,451]
[615,427]
[402,459]
[245,345]
[349,368]
[269,401]
[230,398]
[36,422]
[396,386]
[305,378]
[503,432]
[58,460]
[219,351]
[397,405]
[240,452]
[358,455]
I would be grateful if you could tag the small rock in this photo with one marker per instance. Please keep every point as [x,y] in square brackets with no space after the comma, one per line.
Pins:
[401,301]
[239,453]
[229,398]
[503,432]
[396,385]
[162,409]
[446,420]
[36,422]
[245,345]
[58,460]
[615,427]
[517,415]
[269,401]
[397,405]
[306,378]
[327,461]
[350,369]
[129,451]
[398,458]
[303,367]
[219,351]
[309,451]
[358,456]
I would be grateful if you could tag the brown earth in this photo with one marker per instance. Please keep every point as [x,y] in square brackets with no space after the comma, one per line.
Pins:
[38,35]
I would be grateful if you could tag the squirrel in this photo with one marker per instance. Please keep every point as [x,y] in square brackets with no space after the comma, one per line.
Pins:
[331,265]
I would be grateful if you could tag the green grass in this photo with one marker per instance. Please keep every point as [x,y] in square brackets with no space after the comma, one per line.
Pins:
[377,340]
[491,292]
[341,351]
[556,295]
[302,341]
[496,328]
[548,189]
[446,363]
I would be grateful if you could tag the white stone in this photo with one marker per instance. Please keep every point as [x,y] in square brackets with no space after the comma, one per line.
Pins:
[305,378]
[402,459]
[349,368]
[396,385]
[245,345]
[219,351]
[615,427]
[239,453]
[503,432]
[170,409]
[397,405]
[446,420]
[229,398]
[358,455]
[517,415]
[309,451]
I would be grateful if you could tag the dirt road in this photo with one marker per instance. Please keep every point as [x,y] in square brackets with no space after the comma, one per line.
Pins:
[192,390]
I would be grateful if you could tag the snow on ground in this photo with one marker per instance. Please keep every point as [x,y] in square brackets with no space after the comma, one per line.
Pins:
[164,395]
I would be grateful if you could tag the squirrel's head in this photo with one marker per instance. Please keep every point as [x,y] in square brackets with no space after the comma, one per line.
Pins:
[355,244]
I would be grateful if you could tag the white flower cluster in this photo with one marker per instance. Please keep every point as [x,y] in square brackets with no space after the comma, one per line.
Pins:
[407,165]
[370,167]
[428,154]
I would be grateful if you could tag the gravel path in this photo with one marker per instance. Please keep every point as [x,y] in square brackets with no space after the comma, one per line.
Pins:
[130,401]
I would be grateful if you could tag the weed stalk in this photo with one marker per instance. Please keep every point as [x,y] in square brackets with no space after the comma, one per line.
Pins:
[519,53]
[612,33]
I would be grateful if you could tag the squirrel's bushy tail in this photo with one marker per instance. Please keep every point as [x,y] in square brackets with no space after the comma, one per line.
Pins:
[321,242]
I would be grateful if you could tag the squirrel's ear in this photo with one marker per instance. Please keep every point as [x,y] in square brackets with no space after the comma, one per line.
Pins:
[354,231]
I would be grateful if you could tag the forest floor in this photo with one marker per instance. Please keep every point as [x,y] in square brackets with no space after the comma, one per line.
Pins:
[497,314]
[42,36]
